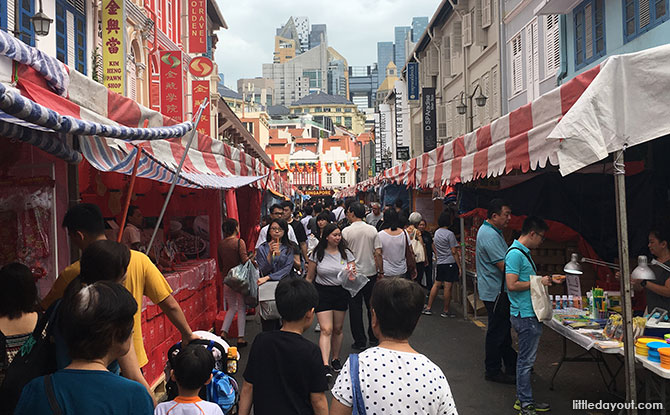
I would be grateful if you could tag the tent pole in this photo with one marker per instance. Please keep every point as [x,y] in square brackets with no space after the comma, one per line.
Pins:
[464,275]
[622,231]
[129,196]
[204,104]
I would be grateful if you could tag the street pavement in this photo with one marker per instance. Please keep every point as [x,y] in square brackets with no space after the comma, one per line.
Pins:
[456,345]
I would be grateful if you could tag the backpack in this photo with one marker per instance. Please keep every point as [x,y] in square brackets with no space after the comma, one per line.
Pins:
[35,358]
[222,390]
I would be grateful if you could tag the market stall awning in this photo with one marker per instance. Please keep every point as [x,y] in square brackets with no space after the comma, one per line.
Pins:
[625,105]
[517,140]
[52,102]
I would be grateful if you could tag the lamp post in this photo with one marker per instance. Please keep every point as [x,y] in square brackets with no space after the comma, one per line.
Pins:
[462,108]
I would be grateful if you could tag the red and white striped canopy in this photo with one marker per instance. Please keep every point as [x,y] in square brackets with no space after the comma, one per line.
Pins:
[515,141]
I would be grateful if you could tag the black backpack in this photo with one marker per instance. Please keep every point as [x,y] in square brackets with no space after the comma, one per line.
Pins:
[35,358]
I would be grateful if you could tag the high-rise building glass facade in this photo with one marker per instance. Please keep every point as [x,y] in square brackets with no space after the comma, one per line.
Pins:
[419,25]
[318,34]
[385,54]
[363,84]
[400,36]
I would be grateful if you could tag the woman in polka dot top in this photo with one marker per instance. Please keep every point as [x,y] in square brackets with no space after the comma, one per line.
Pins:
[393,377]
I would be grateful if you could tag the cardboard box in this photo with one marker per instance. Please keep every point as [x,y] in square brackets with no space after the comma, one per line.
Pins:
[160,328]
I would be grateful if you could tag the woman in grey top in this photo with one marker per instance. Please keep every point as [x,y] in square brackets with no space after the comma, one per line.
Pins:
[447,252]
[329,259]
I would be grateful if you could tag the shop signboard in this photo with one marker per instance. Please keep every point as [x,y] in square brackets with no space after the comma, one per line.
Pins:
[172,84]
[413,80]
[319,192]
[201,66]
[197,26]
[429,119]
[114,46]
[402,136]
[200,91]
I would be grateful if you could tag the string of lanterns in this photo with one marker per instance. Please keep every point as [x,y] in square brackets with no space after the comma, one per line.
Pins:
[311,167]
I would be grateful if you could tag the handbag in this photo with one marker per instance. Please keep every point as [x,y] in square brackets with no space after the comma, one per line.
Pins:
[266,301]
[539,294]
[418,248]
[409,257]
[358,407]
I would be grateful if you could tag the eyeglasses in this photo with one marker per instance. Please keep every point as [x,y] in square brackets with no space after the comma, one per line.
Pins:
[541,235]
[274,229]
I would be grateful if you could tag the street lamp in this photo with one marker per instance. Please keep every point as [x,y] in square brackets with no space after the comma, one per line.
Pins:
[41,22]
[480,100]
[462,108]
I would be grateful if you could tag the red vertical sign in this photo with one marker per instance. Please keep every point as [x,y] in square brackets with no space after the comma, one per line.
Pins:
[200,92]
[172,84]
[197,26]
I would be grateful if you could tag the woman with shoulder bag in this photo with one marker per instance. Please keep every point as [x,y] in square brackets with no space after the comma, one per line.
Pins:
[396,249]
[330,258]
[232,251]
[277,258]
[418,247]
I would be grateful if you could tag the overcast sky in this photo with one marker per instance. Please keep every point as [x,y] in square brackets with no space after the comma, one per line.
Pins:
[354,28]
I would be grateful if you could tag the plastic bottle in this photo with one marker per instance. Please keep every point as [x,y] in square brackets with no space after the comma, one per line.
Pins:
[571,301]
[553,302]
[231,361]
[564,301]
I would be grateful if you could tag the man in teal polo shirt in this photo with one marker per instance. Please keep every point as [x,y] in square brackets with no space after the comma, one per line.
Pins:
[519,266]
[490,258]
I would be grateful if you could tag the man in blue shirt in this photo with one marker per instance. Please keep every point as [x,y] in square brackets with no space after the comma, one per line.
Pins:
[519,266]
[490,254]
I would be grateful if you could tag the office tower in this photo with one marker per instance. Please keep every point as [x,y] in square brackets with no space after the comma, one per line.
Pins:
[419,25]
[302,27]
[385,54]
[318,35]
[399,55]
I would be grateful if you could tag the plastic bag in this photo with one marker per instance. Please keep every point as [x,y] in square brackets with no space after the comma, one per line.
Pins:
[251,299]
[351,281]
[237,279]
[266,300]
[539,295]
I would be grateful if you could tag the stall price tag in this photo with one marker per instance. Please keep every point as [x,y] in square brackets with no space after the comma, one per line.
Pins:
[574,285]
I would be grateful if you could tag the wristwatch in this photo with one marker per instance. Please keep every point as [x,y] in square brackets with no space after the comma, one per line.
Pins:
[644,283]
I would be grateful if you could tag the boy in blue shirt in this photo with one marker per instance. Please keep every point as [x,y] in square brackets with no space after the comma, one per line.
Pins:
[519,266]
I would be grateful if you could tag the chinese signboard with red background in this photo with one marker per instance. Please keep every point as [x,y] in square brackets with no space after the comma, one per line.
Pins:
[197,26]
[172,84]
[113,45]
[200,92]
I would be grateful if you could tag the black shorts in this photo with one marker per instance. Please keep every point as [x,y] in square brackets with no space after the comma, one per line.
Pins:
[447,273]
[332,297]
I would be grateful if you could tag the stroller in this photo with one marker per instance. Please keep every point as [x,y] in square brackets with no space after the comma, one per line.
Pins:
[223,389]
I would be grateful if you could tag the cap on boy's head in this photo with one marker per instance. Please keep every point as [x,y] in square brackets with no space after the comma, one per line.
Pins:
[193,367]
[295,297]
[85,218]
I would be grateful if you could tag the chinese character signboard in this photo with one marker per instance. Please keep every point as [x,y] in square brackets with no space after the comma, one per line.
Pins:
[200,92]
[113,46]
[201,66]
[413,80]
[429,120]
[172,84]
[197,26]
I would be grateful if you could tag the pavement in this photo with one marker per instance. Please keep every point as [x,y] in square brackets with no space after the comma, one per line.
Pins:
[456,345]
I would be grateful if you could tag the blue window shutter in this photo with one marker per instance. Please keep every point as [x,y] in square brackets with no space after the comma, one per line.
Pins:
[3,15]
[26,11]
[61,32]
[209,47]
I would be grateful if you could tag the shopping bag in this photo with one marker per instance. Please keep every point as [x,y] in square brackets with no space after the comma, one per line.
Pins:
[266,301]
[352,281]
[237,279]
[251,299]
[539,295]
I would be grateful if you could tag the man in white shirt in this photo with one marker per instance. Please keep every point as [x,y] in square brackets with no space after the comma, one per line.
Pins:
[375,216]
[306,219]
[339,210]
[276,212]
[132,234]
[363,240]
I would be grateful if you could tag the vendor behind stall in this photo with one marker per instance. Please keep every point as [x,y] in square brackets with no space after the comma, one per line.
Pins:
[85,225]
[132,234]
[658,291]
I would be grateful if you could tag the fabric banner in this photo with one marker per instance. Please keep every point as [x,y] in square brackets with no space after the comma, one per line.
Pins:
[114,45]
[172,84]
[197,26]
[413,80]
[200,91]
[429,120]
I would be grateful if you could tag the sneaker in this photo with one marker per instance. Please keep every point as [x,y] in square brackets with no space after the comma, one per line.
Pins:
[336,365]
[528,410]
[317,328]
[329,374]
[444,314]
[538,406]
[506,379]
[426,311]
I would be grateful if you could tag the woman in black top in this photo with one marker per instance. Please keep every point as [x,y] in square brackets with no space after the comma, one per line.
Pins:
[428,243]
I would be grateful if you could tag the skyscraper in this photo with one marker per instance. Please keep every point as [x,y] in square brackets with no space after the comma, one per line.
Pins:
[400,36]
[385,54]
[318,35]
[419,25]
[302,27]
